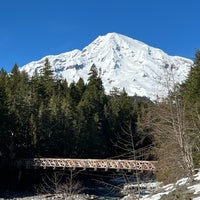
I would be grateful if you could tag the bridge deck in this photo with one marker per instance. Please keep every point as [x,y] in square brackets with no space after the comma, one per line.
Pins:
[87,164]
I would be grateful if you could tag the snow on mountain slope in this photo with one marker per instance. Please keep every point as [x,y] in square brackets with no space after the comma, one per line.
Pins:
[124,62]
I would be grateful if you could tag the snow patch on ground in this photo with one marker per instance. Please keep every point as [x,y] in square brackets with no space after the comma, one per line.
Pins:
[194,188]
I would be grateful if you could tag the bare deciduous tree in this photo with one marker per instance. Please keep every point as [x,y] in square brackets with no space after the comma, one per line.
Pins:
[71,186]
[59,183]
[170,124]
[127,141]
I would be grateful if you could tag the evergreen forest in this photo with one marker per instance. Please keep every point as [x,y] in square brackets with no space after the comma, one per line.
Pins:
[43,116]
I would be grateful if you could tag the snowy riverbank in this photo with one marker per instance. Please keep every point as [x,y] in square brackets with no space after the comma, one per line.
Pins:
[186,188]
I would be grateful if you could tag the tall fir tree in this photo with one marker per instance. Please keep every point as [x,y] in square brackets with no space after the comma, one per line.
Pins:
[190,91]
[5,134]
[91,117]
[190,88]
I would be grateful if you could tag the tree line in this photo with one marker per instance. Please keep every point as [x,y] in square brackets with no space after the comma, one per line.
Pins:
[43,116]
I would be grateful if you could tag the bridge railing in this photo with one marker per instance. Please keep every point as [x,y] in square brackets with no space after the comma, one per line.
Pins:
[87,164]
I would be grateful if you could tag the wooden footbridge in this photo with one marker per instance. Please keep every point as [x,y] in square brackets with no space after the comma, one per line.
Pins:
[106,164]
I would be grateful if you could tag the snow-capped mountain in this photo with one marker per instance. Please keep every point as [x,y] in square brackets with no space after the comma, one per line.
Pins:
[124,62]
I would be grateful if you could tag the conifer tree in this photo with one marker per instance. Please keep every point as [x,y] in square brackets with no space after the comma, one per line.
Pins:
[5,135]
[91,116]
[190,91]
[190,88]
[18,102]
[121,112]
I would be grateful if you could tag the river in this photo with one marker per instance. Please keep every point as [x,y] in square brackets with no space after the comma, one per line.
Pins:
[100,185]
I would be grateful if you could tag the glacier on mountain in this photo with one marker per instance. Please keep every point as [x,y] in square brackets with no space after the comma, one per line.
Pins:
[123,63]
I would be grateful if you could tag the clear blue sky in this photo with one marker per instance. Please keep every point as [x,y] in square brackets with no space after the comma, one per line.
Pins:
[32,29]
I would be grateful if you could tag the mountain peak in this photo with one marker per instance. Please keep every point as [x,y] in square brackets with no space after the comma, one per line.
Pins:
[118,39]
[124,62]
[112,35]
